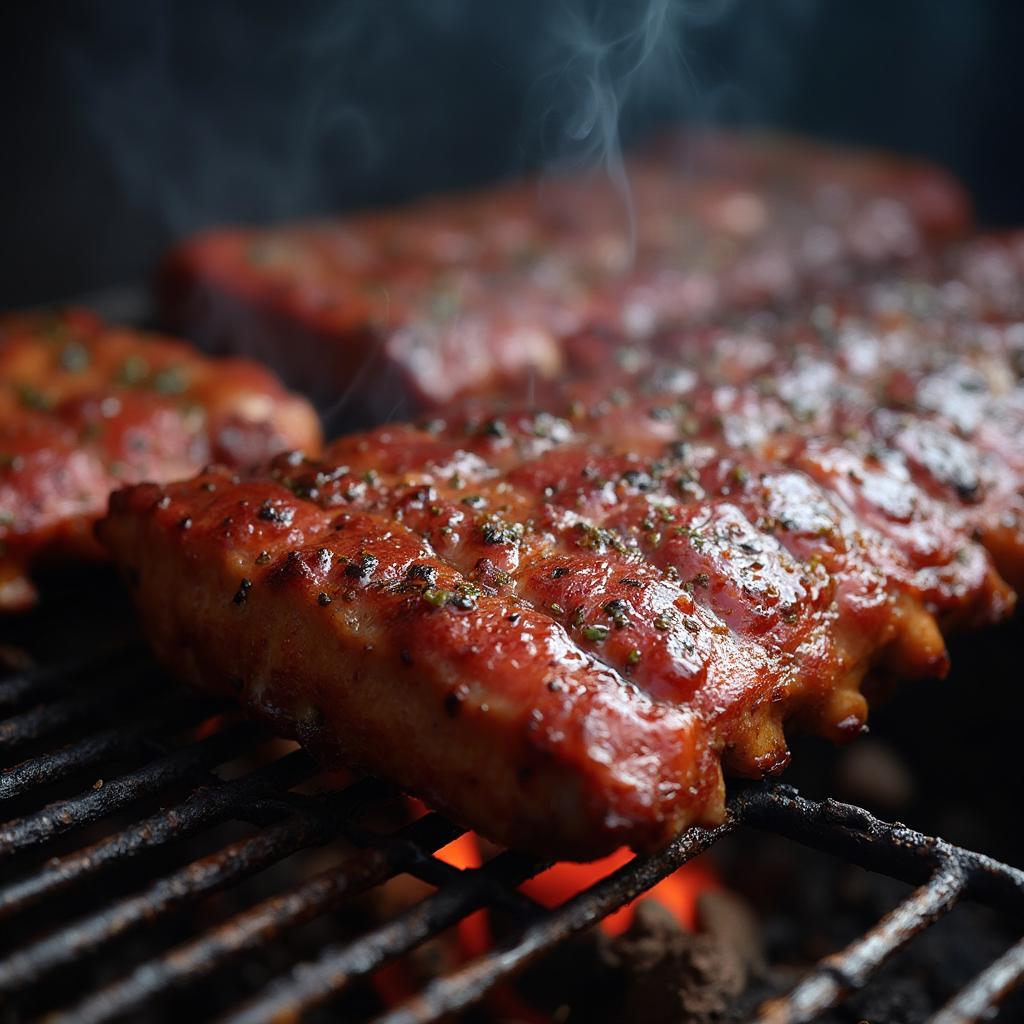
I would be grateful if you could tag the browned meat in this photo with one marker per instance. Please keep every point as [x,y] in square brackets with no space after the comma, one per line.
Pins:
[560,625]
[923,373]
[86,408]
[469,294]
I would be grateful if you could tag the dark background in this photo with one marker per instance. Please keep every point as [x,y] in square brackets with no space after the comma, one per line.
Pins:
[128,123]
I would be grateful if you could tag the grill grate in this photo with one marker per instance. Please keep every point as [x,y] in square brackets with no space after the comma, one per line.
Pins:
[195,754]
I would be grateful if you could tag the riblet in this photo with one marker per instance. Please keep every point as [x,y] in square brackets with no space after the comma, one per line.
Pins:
[86,408]
[558,625]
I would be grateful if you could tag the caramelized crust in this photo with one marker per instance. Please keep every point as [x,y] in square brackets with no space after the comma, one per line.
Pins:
[905,394]
[559,625]
[86,408]
[350,634]
[475,293]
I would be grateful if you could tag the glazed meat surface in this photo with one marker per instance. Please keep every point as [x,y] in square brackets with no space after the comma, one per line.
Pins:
[86,407]
[561,621]
[463,295]
[922,372]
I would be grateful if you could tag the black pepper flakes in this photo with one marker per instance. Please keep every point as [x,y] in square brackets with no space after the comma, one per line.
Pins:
[364,568]
[74,357]
[323,599]
[494,428]
[273,511]
[243,590]
[619,612]
[427,573]
[497,532]
[638,480]
[463,600]
[170,381]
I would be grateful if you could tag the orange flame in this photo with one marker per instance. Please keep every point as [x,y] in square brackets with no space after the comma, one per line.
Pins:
[677,893]
[474,931]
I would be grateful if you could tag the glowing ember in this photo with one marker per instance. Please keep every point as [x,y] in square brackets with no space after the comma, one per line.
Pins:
[677,893]
[474,931]
[473,937]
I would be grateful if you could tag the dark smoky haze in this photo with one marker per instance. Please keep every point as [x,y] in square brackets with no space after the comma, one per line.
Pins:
[128,123]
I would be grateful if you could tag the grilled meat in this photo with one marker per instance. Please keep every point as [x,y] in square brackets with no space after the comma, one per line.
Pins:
[560,625]
[922,372]
[86,408]
[469,294]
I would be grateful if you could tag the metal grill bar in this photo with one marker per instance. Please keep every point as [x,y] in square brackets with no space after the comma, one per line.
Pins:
[57,715]
[980,998]
[131,739]
[118,793]
[19,688]
[204,807]
[288,822]
[889,848]
[466,986]
[262,922]
[315,983]
[852,968]
[226,867]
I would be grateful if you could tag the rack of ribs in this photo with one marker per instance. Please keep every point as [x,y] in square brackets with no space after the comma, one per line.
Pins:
[562,620]
[86,407]
[474,293]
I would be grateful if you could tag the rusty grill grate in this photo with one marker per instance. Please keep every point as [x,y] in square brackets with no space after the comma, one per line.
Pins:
[181,769]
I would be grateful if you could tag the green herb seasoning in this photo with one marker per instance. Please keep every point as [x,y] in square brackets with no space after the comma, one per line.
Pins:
[33,398]
[133,371]
[170,381]
[74,358]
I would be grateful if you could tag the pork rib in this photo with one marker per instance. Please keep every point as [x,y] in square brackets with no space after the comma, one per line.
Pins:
[560,625]
[467,294]
[86,407]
